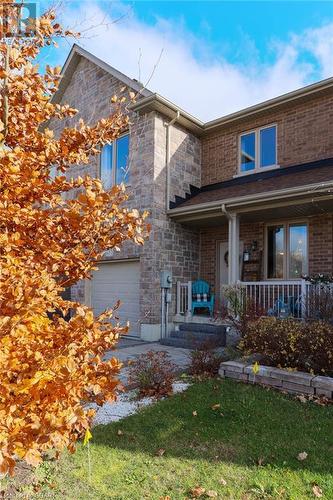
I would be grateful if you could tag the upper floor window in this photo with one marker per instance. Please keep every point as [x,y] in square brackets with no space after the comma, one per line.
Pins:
[258,149]
[114,162]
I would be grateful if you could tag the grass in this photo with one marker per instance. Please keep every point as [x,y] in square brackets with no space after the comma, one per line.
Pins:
[251,442]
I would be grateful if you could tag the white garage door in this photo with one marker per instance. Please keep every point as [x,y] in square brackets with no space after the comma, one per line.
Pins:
[118,281]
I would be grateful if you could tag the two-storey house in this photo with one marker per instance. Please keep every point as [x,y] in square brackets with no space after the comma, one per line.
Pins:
[244,198]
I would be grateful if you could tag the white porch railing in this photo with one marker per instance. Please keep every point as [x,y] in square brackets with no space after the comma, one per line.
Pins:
[280,298]
[297,298]
[184,298]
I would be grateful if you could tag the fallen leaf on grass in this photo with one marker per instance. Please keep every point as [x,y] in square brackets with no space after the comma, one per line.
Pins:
[302,456]
[260,461]
[223,481]
[120,432]
[165,498]
[160,452]
[322,401]
[194,413]
[197,492]
[318,492]
[216,406]
[302,398]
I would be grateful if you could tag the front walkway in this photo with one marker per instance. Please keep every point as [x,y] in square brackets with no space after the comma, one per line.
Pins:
[129,350]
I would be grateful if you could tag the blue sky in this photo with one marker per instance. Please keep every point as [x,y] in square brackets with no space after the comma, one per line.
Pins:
[224,24]
[213,57]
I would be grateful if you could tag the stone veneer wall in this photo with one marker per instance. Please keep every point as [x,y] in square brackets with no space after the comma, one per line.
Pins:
[284,380]
[177,246]
[171,245]
[90,91]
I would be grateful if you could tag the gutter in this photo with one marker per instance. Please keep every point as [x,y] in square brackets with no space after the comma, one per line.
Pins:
[167,158]
[252,199]
[155,102]
[308,90]
[158,103]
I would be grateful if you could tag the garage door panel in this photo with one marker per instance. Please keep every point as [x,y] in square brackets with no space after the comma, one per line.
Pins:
[118,281]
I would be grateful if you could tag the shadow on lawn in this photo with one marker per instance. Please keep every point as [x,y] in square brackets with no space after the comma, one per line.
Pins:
[252,426]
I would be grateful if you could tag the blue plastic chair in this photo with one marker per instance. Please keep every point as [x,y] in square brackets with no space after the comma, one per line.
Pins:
[280,309]
[202,288]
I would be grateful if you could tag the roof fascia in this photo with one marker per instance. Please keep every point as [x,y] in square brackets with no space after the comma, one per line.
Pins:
[243,201]
[72,61]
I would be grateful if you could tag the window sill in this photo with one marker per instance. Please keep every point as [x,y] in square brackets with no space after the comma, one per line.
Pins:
[256,171]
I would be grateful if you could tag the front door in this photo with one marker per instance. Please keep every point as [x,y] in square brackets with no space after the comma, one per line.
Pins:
[223,261]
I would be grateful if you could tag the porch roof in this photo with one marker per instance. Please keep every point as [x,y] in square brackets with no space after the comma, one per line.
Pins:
[298,184]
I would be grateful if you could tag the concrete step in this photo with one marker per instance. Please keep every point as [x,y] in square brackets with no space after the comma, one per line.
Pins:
[199,336]
[193,340]
[179,342]
[202,328]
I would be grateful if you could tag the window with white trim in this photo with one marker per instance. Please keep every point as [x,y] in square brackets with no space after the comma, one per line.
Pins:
[114,162]
[257,150]
[287,250]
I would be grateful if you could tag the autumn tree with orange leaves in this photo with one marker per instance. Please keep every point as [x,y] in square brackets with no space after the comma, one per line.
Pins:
[50,366]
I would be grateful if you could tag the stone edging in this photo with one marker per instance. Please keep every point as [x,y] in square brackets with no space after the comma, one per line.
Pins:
[284,380]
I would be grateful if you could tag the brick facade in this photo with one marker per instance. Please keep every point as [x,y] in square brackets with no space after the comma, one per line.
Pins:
[320,245]
[304,134]
[209,239]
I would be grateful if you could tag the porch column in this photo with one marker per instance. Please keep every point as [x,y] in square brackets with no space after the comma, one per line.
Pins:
[233,272]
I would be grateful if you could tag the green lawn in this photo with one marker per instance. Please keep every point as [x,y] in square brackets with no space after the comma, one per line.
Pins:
[252,446]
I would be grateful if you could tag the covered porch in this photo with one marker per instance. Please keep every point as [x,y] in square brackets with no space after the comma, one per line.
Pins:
[292,298]
[264,244]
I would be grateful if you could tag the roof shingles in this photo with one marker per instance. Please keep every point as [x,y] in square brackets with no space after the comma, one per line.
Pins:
[266,182]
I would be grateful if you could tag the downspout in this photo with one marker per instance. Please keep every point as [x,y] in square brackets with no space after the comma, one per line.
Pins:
[225,211]
[167,158]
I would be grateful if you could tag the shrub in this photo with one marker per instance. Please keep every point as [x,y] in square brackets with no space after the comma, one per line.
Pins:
[292,343]
[241,309]
[316,347]
[273,338]
[319,303]
[204,360]
[153,373]
[316,279]
[319,300]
